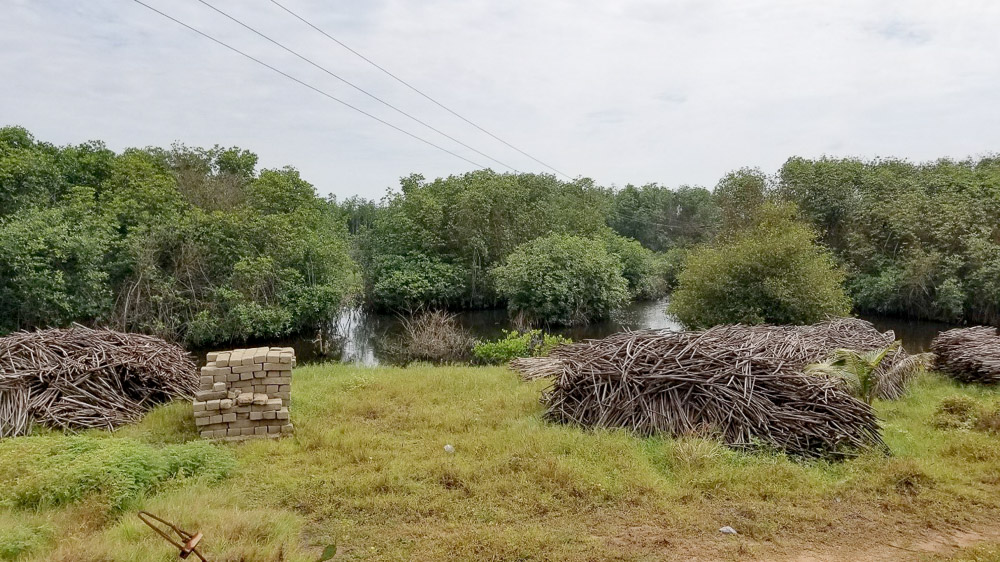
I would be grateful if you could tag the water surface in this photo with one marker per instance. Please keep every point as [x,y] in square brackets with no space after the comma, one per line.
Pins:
[366,338]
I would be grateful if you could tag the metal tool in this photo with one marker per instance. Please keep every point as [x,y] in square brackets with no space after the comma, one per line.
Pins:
[190,542]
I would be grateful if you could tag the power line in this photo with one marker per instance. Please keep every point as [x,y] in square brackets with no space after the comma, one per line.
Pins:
[307,85]
[414,88]
[356,87]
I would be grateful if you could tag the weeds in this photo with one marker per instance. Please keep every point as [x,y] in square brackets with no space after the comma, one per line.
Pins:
[435,336]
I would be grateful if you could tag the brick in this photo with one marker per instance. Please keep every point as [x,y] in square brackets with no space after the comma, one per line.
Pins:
[203,380]
[281,414]
[207,434]
[208,371]
[286,357]
[245,386]
[278,366]
[206,395]
[273,428]
[284,395]
[273,356]
[199,406]
[255,416]
[212,404]
[226,418]
[219,387]
[216,419]
[270,415]
[259,355]
[202,421]
[287,428]
[246,376]
[222,359]
[260,399]
[225,404]
[248,368]
[212,355]
[234,432]
[259,374]
[271,389]
[276,402]
[243,410]
[205,414]
[285,388]
[244,399]
[247,357]
[260,430]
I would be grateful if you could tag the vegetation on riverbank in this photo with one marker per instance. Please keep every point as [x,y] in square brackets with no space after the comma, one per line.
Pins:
[199,245]
[188,244]
[367,471]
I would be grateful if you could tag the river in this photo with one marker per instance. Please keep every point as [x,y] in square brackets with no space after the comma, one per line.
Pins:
[365,338]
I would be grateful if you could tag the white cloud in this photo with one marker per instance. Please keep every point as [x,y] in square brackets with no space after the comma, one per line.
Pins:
[669,91]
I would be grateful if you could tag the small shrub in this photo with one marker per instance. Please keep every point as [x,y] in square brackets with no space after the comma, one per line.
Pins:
[514,344]
[772,271]
[562,279]
[19,538]
[53,470]
[435,336]
[989,420]
[956,412]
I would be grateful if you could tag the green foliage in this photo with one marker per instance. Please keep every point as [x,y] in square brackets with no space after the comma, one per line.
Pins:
[433,243]
[917,239]
[865,375]
[514,344]
[416,280]
[53,470]
[52,264]
[662,219]
[185,243]
[772,271]
[740,195]
[562,279]
[20,537]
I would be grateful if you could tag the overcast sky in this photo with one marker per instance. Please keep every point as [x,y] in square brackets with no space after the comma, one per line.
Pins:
[675,92]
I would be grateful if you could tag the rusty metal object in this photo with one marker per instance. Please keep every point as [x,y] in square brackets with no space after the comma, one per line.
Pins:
[189,544]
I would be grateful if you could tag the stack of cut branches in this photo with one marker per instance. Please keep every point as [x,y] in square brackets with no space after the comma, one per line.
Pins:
[969,354]
[82,378]
[743,384]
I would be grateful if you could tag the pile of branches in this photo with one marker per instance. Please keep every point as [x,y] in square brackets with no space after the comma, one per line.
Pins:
[743,384]
[969,354]
[81,378]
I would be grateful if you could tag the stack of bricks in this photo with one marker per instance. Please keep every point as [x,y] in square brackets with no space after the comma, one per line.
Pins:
[245,393]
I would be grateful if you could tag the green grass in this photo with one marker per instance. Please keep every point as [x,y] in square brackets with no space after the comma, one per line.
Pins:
[367,471]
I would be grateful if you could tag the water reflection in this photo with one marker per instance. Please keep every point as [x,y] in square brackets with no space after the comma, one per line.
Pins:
[367,339]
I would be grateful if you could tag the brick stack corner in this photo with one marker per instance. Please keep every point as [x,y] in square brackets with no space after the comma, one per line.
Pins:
[244,394]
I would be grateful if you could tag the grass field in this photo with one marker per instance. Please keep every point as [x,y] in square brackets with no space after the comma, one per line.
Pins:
[367,472]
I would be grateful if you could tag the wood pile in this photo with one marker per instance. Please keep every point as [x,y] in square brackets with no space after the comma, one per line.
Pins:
[80,378]
[969,354]
[743,384]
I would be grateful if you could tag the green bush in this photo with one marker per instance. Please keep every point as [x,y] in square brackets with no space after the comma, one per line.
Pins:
[52,470]
[415,280]
[772,271]
[562,279]
[514,344]
[18,538]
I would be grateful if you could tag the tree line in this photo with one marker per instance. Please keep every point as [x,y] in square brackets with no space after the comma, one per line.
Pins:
[199,245]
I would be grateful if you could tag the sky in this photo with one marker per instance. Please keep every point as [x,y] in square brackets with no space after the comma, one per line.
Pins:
[676,92]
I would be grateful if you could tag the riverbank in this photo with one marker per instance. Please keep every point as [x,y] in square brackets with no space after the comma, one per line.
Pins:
[367,471]
[369,339]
